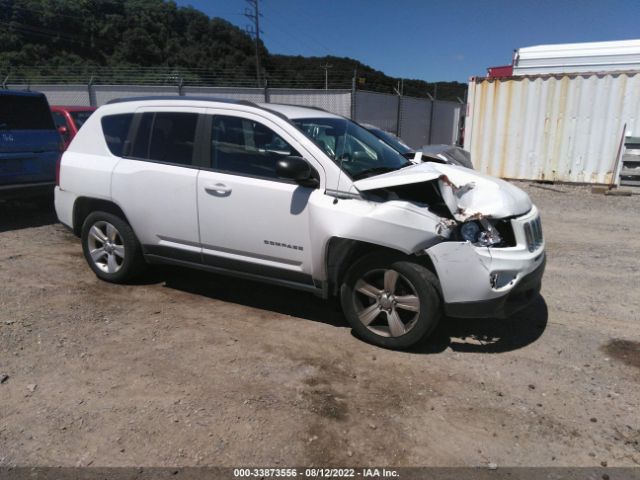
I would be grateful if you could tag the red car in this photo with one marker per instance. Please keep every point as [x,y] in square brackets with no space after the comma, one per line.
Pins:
[69,119]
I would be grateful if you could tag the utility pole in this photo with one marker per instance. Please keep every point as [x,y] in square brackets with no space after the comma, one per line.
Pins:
[326,68]
[252,12]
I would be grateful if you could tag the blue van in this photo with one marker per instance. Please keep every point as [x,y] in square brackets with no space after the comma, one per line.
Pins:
[30,145]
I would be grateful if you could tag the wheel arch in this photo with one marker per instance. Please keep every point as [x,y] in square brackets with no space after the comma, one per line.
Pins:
[83,206]
[342,252]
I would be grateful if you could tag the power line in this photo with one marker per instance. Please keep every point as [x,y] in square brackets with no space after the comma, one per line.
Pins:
[279,27]
[305,32]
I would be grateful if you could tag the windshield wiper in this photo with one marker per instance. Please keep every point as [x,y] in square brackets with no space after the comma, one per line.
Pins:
[370,172]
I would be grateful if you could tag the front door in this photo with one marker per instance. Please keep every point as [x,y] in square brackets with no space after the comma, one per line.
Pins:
[251,220]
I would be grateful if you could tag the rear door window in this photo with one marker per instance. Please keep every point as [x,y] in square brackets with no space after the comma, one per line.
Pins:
[116,131]
[166,137]
[25,112]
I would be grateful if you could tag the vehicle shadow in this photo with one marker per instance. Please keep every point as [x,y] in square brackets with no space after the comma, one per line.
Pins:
[461,335]
[489,335]
[27,213]
[248,293]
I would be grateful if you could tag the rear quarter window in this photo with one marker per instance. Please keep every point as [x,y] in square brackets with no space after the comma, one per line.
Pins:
[116,130]
[25,112]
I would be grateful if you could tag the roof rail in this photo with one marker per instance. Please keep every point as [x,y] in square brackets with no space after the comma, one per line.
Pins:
[312,107]
[182,97]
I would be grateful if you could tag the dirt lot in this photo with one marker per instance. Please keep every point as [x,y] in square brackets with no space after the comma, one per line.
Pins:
[191,369]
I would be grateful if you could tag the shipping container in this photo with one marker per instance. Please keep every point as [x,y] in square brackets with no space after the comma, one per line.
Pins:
[614,56]
[565,128]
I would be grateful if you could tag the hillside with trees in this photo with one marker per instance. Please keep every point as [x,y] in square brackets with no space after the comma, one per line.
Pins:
[158,42]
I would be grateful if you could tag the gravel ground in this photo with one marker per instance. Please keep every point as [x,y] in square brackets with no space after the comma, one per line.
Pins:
[192,369]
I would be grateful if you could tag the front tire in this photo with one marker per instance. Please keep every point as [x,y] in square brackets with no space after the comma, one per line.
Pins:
[390,300]
[111,248]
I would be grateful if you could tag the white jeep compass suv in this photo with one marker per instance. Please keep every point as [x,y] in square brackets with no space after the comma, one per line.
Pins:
[302,198]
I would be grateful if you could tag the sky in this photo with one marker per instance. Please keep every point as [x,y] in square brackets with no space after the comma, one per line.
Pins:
[432,40]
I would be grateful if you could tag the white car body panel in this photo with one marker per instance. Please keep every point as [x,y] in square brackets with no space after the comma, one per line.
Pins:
[64,202]
[167,211]
[396,225]
[87,174]
[264,235]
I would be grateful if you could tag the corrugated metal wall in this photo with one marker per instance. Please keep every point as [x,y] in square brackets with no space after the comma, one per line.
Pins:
[379,109]
[249,94]
[415,129]
[335,101]
[553,127]
[106,93]
[446,128]
[415,116]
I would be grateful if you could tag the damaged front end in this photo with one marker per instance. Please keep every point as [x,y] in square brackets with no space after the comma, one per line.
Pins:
[478,215]
[474,207]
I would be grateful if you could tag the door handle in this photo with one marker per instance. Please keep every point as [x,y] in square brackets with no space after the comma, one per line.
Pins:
[218,190]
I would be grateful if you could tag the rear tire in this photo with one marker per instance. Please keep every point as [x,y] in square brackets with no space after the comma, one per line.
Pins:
[111,248]
[390,300]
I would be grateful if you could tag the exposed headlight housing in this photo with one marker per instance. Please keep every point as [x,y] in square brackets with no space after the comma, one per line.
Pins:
[470,231]
[480,232]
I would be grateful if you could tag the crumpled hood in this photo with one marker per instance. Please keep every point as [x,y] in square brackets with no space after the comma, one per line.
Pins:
[467,193]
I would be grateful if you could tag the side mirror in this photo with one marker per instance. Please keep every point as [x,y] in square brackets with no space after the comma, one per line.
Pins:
[64,131]
[298,170]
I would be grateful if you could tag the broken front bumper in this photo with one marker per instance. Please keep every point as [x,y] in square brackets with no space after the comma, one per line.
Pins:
[488,281]
[518,298]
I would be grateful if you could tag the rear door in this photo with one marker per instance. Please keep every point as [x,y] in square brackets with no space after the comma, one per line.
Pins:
[155,182]
[29,142]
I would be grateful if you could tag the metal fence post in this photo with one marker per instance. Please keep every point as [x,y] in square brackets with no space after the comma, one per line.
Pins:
[433,98]
[461,120]
[353,94]
[92,93]
[180,85]
[266,90]
[399,110]
[5,81]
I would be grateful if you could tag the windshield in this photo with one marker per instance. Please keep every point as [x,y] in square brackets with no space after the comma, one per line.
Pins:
[392,140]
[358,152]
[79,117]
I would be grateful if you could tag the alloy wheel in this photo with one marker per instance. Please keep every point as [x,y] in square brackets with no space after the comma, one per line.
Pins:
[106,247]
[386,302]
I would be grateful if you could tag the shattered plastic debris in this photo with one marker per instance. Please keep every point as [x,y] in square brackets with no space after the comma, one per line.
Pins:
[444,227]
